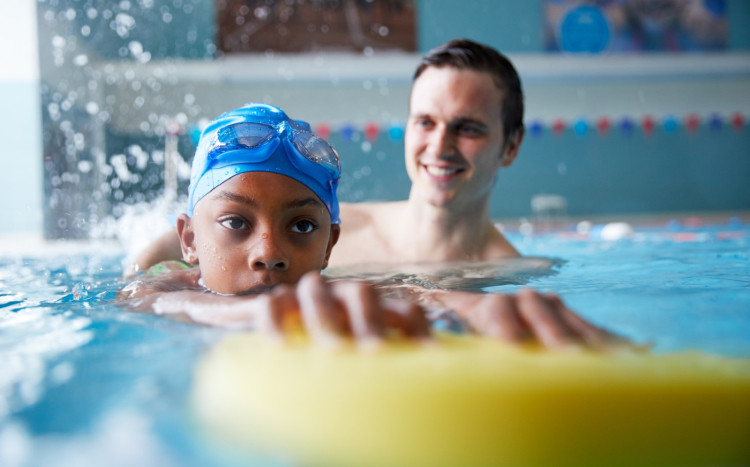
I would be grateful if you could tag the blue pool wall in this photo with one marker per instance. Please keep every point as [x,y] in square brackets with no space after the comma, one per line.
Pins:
[597,175]
[613,173]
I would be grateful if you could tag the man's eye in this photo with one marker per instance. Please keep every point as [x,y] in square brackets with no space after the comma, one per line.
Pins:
[423,123]
[303,227]
[234,223]
[470,131]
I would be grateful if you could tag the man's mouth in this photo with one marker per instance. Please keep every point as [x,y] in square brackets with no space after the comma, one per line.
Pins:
[441,172]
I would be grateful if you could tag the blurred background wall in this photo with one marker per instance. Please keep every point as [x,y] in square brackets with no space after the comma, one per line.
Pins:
[21,196]
[634,126]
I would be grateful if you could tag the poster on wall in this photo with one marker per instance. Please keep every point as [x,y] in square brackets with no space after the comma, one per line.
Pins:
[251,26]
[625,26]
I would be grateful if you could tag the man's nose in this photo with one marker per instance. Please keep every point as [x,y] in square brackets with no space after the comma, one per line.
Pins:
[267,254]
[442,141]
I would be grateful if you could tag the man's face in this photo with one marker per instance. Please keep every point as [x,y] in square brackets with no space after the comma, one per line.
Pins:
[257,230]
[454,137]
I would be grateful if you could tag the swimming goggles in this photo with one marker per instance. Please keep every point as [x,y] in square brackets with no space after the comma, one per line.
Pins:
[258,138]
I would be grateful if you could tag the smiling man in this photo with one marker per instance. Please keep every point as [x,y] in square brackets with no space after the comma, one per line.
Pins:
[465,123]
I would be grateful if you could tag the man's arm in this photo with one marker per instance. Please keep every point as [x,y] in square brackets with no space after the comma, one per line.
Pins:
[166,247]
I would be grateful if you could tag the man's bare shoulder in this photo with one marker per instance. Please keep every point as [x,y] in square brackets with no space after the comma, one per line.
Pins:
[365,235]
[359,216]
[499,247]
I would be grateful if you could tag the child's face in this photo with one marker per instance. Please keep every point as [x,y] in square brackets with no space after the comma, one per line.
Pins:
[257,230]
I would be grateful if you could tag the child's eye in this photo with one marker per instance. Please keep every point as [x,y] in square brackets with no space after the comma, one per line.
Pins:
[234,223]
[303,226]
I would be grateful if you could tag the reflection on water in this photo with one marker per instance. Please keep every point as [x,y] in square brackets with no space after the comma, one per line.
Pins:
[456,275]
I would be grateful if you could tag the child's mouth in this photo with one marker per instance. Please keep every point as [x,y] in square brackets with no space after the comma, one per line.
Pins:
[257,289]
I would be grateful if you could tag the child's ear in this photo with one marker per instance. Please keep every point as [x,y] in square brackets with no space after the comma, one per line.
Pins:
[332,239]
[187,239]
[512,146]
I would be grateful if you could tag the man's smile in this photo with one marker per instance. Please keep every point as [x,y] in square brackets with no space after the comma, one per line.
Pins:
[441,172]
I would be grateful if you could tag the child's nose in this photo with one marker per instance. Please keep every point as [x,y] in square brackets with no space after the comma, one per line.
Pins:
[267,254]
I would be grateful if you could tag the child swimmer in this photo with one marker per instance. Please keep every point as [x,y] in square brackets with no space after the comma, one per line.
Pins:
[261,221]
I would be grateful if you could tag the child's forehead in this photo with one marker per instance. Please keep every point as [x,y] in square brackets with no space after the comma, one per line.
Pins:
[270,182]
[261,189]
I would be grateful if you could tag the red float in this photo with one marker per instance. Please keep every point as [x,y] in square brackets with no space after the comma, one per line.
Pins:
[323,131]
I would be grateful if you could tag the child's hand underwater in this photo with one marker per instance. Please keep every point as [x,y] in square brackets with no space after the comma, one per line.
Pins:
[329,312]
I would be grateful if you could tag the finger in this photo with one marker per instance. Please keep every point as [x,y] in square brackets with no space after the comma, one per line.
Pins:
[319,311]
[266,322]
[362,306]
[497,316]
[406,317]
[593,336]
[280,317]
[544,321]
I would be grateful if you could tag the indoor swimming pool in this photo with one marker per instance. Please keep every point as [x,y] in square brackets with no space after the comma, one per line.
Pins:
[85,383]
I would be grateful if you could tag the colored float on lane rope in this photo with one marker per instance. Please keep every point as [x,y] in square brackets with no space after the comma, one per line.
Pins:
[604,125]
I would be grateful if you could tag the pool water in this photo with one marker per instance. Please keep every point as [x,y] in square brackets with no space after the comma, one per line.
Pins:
[84,383]
[675,287]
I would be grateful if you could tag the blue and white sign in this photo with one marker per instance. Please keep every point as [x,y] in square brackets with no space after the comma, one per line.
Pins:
[584,29]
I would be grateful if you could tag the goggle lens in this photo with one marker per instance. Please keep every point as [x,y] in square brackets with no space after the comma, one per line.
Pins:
[317,150]
[243,135]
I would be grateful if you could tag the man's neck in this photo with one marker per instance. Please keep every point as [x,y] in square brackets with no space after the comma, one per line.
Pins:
[448,232]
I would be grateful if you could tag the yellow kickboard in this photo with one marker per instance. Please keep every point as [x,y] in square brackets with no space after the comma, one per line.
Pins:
[472,401]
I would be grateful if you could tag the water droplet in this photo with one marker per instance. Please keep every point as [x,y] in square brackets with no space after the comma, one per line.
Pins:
[123,24]
[136,48]
[85,166]
[58,42]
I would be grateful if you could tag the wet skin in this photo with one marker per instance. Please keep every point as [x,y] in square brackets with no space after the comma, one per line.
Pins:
[454,138]
[255,231]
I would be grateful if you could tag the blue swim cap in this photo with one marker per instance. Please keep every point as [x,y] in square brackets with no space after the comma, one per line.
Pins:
[262,138]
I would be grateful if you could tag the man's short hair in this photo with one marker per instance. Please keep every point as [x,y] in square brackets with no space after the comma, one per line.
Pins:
[467,54]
